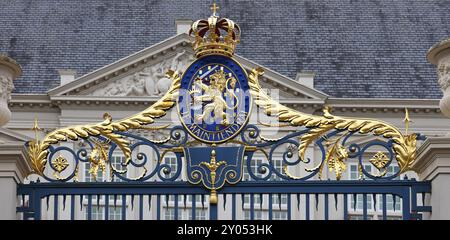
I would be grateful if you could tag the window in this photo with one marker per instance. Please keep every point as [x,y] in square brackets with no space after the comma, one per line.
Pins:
[200,214]
[115,213]
[115,161]
[256,199]
[88,176]
[98,213]
[279,215]
[255,162]
[170,214]
[392,203]
[277,164]
[257,215]
[171,161]
[185,214]
[276,198]
[354,175]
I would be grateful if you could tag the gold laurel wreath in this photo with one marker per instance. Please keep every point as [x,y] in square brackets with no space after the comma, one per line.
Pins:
[38,150]
[404,146]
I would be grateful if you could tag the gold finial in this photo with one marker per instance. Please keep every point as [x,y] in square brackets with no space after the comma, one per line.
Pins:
[214,8]
[36,129]
[407,120]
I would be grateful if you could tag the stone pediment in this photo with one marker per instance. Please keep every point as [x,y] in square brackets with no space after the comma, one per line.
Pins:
[150,80]
[143,75]
[7,135]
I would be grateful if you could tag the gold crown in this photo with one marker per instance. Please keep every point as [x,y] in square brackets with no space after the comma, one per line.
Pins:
[215,35]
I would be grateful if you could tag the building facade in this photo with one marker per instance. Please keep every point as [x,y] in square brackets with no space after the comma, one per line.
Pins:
[363,59]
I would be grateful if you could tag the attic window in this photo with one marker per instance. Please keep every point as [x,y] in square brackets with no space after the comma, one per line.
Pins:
[306,78]
[183,26]
[66,76]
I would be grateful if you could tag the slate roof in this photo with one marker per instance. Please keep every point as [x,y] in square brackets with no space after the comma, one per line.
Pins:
[357,48]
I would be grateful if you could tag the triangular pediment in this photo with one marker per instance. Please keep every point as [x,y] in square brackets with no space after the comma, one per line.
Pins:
[143,75]
[7,135]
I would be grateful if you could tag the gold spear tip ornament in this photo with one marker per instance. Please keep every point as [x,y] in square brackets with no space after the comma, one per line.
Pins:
[407,120]
[36,129]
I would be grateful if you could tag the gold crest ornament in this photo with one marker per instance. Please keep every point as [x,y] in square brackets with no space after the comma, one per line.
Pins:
[215,35]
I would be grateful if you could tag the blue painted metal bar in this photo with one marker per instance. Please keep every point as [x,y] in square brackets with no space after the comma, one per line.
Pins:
[124,207]
[365,206]
[289,206]
[213,212]
[194,206]
[252,208]
[106,206]
[233,206]
[243,187]
[176,207]
[307,206]
[158,207]
[423,191]
[406,205]
[345,207]
[326,206]
[55,207]
[141,207]
[89,207]
[270,206]
[37,206]
[384,200]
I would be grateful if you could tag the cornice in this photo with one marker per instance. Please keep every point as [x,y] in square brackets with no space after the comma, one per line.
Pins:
[383,105]
[339,105]
[432,157]
[15,153]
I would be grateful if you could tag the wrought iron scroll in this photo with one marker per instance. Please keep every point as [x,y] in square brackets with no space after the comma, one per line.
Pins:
[402,146]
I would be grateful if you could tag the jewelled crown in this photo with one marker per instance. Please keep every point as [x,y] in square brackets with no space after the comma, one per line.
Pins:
[215,35]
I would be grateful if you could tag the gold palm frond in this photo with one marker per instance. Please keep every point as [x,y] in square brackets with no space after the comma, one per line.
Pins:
[404,146]
[38,150]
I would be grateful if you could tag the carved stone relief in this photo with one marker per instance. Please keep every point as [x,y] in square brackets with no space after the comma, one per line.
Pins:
[151,81]
[444,75]
[6,86]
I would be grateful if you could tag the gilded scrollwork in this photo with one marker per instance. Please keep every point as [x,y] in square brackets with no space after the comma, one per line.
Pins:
[404,146]
[38,150]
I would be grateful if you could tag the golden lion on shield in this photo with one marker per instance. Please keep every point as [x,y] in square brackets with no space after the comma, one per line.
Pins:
[219,86]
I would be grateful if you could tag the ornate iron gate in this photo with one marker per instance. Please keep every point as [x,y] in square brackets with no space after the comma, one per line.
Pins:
[217,155]
[139,196]
[266,189]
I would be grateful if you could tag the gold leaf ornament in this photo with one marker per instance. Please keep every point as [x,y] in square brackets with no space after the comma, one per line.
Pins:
[379,160]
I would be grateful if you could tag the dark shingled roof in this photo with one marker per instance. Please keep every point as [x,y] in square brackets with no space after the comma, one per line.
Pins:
[358,48]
